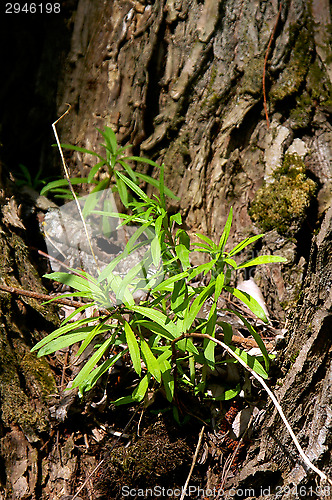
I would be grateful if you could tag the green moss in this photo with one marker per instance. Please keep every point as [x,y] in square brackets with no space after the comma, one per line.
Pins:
[300,116]
[282,205]
[23,403]
[211,97]
[155,459]
[318,83]
[294,356]
[39,371]
[296,69]
[251,82]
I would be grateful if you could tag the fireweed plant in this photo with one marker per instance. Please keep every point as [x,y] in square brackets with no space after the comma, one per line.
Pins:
[158,330]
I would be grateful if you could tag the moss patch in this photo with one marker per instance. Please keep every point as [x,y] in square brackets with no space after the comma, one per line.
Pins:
[154,460]
[282,205]
[296,70]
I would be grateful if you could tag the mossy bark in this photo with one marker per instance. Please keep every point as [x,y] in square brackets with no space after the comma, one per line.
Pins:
[26,383]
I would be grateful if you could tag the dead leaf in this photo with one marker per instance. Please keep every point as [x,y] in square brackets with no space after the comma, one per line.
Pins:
[10,213]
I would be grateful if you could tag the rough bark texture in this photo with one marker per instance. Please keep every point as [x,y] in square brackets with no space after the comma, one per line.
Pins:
[305,390]
[181,80]
[25,382]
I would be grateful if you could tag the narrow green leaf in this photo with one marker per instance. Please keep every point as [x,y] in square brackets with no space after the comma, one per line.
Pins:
[192,371]
[122,190]
[125,400]
[226,231]
[77,311]
[89,365]
[203,268]
[62,182]
[231,262]
[104,184]
[169,281]
[81,284]
[107,272]
[227,331]
[68,295]
[133,348]
[256,336]
[162,186]
[142,160]
[151,362]
[196,306]
[62,330]
[228,394]
[250,361]
[110,139]
[129,170]
[81,150]
[61,343]
[207,240]
[155,328]
[98,372]
[249,301]
[209,329]
[141,389]
[95,169]
[263,259]
[155,183]
[179,297]
[167,378]
[155,251]
[176,218]
[90,203]
[94,332]
[187,345]
[134,187]
[183,255]
[220,280]
[243,244]
[158,317]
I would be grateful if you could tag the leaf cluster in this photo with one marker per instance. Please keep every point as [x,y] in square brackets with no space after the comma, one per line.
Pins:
[156,332]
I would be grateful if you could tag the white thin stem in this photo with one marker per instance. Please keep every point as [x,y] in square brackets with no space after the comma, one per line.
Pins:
[275,402]
[65,168]
[184,489]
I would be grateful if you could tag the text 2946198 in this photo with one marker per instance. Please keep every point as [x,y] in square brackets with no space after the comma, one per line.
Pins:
[32,8]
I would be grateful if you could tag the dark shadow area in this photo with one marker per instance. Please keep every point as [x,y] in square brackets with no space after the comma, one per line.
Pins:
[32,49]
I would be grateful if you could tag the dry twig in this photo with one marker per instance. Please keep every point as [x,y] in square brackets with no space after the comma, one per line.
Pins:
[200,437]
[42,296]
[65,168]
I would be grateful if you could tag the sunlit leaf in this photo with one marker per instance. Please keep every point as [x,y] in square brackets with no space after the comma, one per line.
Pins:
[249,301]
[262,259]
[151,362]
[226,231]
[133,348]
[244,244]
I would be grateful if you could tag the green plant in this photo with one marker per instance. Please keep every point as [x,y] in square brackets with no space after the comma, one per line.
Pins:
[158,333]
[24,178]
[114,163]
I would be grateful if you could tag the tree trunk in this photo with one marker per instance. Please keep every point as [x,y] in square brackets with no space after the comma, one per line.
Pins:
[182,82]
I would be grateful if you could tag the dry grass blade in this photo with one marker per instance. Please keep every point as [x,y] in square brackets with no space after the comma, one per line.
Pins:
[65,168]
[184,489]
